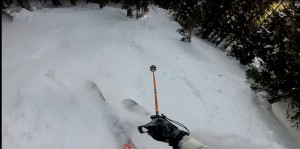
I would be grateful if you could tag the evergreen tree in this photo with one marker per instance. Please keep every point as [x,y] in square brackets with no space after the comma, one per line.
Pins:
[137,7]
[102,3]
[188,15]
[128,5]
[166,4]
[279,70]
[6,3]
[73,2]
[24,4]
[56,3]
[144,7]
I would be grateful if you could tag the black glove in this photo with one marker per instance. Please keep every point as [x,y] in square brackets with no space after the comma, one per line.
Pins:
[162,130]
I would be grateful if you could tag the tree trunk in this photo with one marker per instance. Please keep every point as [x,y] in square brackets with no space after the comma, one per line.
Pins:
[102,3]
[216,37]
[213,36]
[228,44]
[206,33]
[222,38]
[73,2]
[56,3]
[271,13]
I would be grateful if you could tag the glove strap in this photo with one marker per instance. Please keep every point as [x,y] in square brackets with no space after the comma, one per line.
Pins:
[140,128]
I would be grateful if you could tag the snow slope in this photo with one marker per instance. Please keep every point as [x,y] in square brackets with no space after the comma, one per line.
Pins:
[280,109]
[49,54]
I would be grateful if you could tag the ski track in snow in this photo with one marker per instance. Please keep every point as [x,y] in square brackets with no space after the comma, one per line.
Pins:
[50,53]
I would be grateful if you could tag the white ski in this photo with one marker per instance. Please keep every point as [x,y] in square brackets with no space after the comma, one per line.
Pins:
[112,120]
[135,107]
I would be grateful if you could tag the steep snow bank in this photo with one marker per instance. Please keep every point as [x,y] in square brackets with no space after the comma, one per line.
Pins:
[50,53]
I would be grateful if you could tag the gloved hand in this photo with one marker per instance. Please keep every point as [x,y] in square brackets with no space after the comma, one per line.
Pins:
[162,130]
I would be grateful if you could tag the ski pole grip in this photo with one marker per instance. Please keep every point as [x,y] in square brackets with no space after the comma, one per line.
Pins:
[140,129]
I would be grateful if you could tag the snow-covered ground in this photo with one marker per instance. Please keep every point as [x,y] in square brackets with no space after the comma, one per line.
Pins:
[49,54]
[280,109]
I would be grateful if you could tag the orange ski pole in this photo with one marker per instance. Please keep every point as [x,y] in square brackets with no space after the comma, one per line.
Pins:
[153,69]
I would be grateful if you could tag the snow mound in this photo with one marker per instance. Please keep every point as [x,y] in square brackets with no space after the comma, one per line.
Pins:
[22,15]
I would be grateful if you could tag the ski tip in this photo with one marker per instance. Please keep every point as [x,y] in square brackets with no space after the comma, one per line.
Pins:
[126,146]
